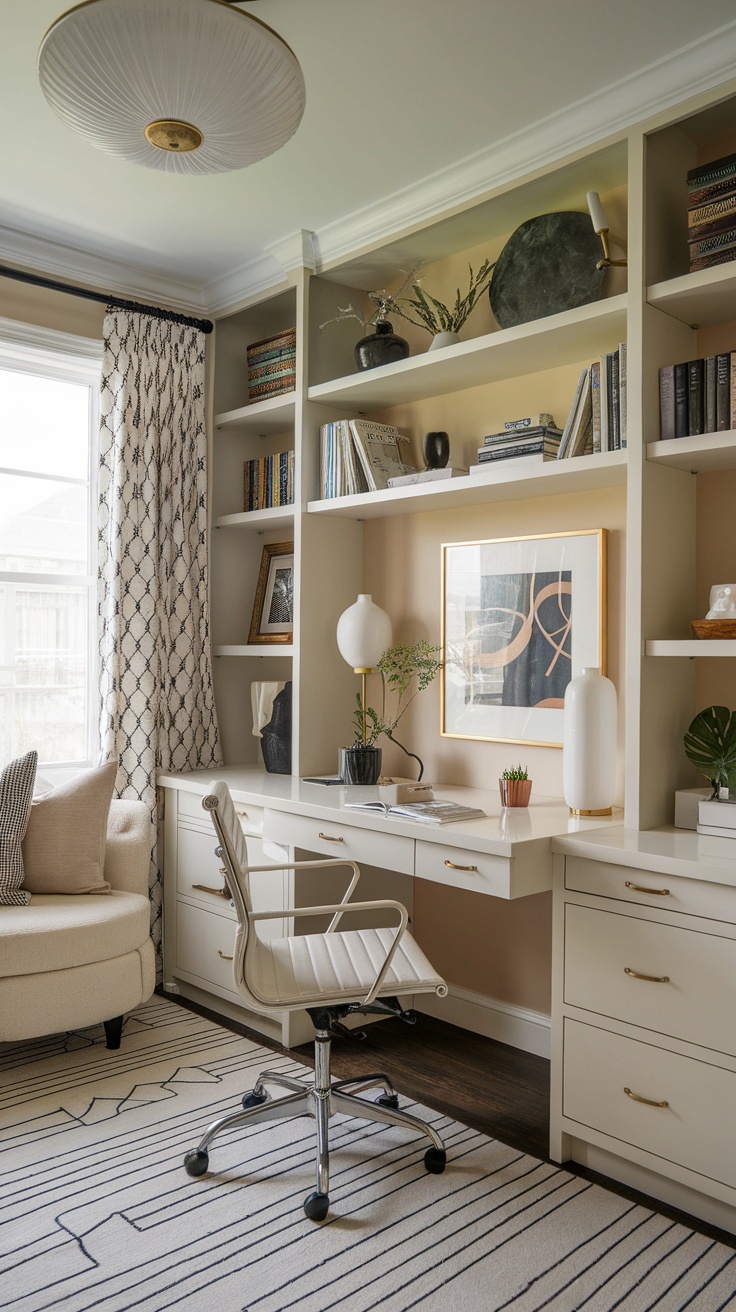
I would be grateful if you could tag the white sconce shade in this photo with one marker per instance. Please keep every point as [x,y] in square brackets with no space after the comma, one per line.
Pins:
[363,633]
[596,211]
[186,86]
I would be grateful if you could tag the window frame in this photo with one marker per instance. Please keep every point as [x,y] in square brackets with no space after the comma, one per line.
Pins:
[46,352]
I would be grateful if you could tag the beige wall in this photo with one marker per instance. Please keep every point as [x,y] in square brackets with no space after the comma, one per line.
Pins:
[49,309]
[496,948]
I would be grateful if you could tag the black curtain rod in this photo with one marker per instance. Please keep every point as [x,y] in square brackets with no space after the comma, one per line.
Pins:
[205,325]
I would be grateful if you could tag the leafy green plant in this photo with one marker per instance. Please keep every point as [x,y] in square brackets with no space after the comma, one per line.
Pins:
[710,745]
[405,670]
[516,772]
[425,311]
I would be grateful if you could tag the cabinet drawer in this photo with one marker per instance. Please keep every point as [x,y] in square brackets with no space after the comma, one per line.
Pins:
[372,847]
[477,871]
[190,806]
[691,897]
[198,876]
[694,975]
[203,942]
[694,1130]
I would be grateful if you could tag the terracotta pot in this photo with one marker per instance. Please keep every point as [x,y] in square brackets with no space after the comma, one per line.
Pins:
[515,792]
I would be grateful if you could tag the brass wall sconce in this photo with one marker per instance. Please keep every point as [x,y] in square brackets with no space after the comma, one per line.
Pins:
[600,225]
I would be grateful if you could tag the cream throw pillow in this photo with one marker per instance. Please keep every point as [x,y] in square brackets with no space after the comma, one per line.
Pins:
[64,845]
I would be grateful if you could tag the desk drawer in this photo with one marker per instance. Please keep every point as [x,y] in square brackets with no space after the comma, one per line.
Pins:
[372,847]
[463,868]
[693,975]
[204,941]
[190,806]
[691,897]
[694,1130]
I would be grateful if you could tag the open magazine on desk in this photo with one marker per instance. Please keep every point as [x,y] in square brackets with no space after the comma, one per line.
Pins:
[432,813]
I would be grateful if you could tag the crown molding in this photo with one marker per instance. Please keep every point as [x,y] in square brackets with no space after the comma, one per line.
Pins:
[69,264]
[641,96]
[697,68]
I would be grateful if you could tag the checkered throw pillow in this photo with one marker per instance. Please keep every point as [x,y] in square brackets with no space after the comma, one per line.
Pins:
[16,795]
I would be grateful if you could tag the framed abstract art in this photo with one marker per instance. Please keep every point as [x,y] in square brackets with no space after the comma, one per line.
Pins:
[520,618]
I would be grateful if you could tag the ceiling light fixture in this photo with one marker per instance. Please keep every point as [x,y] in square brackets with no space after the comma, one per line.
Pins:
[185,86]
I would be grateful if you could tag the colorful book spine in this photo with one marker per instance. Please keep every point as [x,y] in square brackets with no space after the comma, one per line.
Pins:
[709,245]
[716,209]
[723,393]
[705,175]
[269,481]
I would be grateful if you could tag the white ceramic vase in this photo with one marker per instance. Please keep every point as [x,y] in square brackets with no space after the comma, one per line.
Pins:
[589,744]
[443,339]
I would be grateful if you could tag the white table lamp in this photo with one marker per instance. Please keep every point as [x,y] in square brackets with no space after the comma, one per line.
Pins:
[363,634]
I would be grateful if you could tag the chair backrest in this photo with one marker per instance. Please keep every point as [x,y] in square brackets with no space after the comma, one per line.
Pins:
[234,855]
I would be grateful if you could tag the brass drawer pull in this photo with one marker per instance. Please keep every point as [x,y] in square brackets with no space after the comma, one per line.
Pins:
[204,888]
[220,953]
[329,838]
[649,1101]
[653,979]
[451,866]
[638,888]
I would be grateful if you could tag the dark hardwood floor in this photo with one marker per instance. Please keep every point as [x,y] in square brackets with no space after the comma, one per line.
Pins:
[489,1086]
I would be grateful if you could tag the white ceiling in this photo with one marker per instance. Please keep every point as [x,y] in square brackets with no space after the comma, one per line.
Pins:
[409,104]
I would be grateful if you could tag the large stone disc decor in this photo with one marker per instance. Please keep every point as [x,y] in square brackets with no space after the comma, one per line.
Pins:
[547,265]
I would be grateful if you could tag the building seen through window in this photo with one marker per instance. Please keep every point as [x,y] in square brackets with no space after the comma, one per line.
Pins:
[48,407]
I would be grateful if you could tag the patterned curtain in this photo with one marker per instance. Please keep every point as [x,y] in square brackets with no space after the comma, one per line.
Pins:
[158,708]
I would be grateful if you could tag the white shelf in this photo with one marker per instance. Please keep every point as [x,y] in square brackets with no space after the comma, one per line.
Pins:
[508,483]
[700,455]
[699,299]
[690,647]
[559,339]
[253,649]
[261,418]
[257,519]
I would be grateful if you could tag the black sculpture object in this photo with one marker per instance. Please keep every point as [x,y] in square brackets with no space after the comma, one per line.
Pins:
[436,450]
[276,735]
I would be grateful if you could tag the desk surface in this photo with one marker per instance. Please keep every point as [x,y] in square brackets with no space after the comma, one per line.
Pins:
[504,832]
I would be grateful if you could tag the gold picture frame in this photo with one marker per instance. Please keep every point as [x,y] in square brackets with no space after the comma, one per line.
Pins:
[520,618]
[272,620]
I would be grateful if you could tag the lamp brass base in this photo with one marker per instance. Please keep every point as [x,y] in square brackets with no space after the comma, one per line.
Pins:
[607,810]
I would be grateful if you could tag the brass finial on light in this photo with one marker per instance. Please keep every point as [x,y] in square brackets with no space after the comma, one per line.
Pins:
[172,134]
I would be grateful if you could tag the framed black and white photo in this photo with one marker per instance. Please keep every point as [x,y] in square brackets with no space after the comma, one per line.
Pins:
[273,608]
[521,617]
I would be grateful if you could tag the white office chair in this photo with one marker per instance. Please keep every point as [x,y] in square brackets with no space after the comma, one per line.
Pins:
[331,975]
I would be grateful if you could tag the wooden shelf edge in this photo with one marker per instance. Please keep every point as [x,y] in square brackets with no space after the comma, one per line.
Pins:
[255,518]
[699,455]
[690,647]
[252,649]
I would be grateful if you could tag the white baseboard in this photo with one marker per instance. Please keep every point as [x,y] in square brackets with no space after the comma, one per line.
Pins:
[517,1026]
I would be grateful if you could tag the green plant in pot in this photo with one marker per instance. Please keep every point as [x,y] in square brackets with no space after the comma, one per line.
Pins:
[443,321]
[710,745]
[406,670]
[515,786]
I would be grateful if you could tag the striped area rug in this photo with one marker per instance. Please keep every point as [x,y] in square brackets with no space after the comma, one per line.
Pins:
[97,1212]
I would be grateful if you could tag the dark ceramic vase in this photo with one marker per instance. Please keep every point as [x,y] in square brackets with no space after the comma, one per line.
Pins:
[381,347]
[276,735]
[436,450]
[362,764]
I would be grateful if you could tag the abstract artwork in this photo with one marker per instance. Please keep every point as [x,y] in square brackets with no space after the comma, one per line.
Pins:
[521,617]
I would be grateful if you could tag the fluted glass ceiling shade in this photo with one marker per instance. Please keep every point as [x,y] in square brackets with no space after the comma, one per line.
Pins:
[113,68]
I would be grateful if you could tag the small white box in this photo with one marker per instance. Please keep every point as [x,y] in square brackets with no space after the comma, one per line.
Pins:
[398,791]
[687,801]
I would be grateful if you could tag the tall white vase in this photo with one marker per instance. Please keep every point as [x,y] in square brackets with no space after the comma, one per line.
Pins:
[589,744]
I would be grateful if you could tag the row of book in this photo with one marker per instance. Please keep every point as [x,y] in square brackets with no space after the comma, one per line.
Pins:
[597,418]
[698,396]
[357,455]
[272,365]
[711,213]
[269,481]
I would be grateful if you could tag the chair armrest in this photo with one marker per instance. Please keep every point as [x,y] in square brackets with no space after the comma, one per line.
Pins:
[340,908]
[317,865]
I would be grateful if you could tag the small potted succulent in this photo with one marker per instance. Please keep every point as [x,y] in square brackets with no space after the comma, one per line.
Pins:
[515,787]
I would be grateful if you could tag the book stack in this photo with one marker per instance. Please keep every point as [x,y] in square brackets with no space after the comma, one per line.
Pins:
[269,481]
[698,396]
[357,456]
[597,418]
[534,437]
[272,365]
[711,213]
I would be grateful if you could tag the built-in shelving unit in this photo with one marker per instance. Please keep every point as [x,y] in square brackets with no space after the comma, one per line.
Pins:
[262,418]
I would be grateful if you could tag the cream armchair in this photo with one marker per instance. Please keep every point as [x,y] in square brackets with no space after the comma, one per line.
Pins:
[69,961]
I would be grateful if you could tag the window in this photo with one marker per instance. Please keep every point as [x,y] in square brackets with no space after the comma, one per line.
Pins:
[48,461]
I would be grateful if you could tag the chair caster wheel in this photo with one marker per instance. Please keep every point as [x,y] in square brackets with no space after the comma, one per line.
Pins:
[253,1099]
[388,1100]
[435,1160]
[316,1206]
[196,1162]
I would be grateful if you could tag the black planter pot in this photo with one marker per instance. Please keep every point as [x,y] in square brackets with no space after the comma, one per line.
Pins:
[381,347]
[362,765]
